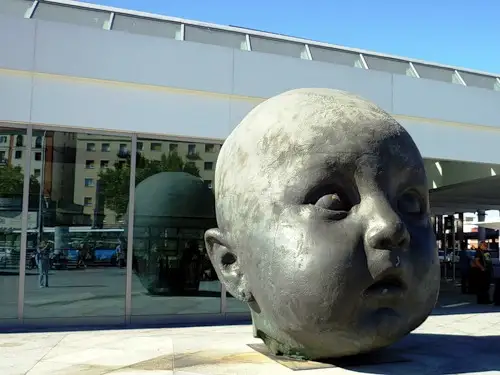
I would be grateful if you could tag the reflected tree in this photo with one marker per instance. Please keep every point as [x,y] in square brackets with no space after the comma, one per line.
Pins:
[114,182]
[11,182]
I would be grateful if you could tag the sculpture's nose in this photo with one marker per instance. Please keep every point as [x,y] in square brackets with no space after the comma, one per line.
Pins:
[385,230]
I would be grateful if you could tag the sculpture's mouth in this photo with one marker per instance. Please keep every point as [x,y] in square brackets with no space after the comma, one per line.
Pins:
[388,286]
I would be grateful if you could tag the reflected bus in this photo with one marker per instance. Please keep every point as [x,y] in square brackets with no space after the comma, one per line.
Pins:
[100,244]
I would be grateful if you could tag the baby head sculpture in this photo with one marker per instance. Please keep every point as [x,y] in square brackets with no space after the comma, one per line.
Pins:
[323,225]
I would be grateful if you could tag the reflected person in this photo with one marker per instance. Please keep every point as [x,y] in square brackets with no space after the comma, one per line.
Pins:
[43,263]
[323,225]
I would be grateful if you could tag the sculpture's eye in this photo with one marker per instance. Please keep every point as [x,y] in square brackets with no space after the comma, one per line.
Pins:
[332,202]
[329,198]
[411,203]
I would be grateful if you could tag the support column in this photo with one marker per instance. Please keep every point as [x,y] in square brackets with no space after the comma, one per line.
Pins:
[433,223]
[481,231]
[460,232]
[440,231]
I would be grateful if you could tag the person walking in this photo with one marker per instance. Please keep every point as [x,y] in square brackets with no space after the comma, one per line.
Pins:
[483,268]
[43,263]
[120,254]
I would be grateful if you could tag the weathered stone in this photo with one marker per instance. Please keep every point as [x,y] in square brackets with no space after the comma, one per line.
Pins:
[323,225]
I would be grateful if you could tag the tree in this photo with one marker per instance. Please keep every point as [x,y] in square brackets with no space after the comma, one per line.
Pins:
[114,182]
[12,180]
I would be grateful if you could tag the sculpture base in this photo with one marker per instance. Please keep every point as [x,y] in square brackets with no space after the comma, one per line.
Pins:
[376,358]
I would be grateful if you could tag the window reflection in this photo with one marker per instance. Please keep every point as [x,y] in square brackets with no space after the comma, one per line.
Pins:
[73,242]
[11,202]
[173,208]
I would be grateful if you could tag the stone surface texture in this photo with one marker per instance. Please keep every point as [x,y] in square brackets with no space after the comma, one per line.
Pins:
[323,225]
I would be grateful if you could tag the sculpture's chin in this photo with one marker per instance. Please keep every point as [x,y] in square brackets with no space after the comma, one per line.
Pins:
[375,330]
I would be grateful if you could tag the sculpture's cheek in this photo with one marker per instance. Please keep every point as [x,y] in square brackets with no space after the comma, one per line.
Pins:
[312,291]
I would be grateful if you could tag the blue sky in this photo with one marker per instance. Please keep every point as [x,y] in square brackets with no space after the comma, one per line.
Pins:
[455,32]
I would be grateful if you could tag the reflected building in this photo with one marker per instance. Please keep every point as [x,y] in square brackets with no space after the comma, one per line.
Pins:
[96,154]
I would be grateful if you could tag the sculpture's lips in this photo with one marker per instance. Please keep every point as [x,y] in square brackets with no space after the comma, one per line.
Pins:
[389,286]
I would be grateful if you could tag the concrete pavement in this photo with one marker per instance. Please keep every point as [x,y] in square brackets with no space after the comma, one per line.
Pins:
[453,341]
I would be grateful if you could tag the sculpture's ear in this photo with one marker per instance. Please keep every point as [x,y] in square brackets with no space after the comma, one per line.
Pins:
[227,265]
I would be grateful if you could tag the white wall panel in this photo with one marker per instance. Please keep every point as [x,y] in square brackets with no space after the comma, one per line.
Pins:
[17,43]
[15,97]
[474,144]
[85,52]
[121,107]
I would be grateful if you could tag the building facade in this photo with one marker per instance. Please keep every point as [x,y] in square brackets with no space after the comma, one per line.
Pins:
[97,102]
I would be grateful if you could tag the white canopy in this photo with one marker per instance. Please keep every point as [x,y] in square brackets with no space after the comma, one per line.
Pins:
[487,224]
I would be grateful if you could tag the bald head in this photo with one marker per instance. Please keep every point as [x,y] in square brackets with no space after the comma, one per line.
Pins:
[321,197]
[285,134]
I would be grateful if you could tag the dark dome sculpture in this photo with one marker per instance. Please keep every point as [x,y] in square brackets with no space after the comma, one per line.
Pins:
[172,211]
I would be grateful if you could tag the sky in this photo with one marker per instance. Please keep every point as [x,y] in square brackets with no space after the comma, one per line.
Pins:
[463,33]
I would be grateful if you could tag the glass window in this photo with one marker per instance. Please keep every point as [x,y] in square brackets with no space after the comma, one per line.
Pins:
[38,156]
[123,150]
[104,163]
[11,202]
[19,141]
[191,149]
[172,273]
[71,14]
[38,142]
[385,64]
[478,80]
[209,148]
[155,146]
[140,146]
[105,147]
[208,165]
[437,73]
[3,139]
[37,173]
[18,155]
[90,146]
[79,234]
[16,8]
[336,56]
[146,26]
[173,147]
[217,37]
[278,47]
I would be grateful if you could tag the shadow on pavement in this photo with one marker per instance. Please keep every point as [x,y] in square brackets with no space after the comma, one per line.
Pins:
[466,309]
[441,353]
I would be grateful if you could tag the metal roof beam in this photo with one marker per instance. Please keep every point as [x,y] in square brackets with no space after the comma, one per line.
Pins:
[249,43]
[460,79]
[31,9]
[414,70]
[108,24]
[363,61]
